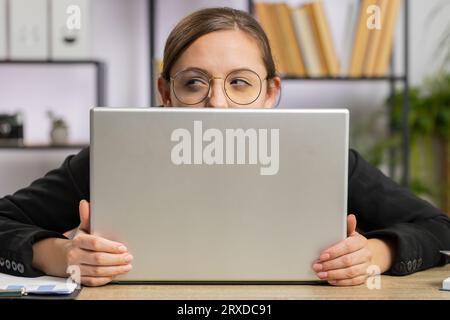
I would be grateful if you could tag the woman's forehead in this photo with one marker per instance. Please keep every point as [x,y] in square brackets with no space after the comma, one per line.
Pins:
[221,52]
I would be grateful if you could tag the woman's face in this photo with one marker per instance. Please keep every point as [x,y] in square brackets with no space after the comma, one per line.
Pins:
[215,56]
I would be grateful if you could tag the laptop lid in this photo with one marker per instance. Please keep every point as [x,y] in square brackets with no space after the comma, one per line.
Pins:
[219,194]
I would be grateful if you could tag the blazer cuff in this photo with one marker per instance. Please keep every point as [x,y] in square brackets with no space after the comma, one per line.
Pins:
[412,248]
[16,259]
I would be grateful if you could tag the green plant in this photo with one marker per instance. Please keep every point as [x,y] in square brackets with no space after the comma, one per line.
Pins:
[429,125]
[429,108]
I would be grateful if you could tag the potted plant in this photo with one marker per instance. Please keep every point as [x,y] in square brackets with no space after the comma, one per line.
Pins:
[429,125]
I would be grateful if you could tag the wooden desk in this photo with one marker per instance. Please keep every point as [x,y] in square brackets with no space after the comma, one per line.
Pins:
[421,285]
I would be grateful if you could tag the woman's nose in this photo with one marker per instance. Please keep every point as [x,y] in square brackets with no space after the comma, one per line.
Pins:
[217,97]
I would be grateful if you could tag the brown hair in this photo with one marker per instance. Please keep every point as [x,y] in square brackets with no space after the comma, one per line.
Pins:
[208,20]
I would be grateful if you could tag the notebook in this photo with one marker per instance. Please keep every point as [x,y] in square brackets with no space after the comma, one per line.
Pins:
[44,285]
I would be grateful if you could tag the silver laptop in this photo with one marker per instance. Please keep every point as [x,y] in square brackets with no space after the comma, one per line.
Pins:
[246,195]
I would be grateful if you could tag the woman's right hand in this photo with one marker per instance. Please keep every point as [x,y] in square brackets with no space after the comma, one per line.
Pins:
[99,260]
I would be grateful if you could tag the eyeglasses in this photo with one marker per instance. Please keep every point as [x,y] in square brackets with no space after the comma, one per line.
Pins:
[193,86]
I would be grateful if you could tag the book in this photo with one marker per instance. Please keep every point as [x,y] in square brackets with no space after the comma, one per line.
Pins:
[28,30]
[360,40]
[387,38]
[70,41]
[287,35]
[3,39]
[306,41]
[374,41]
[324,38]
[349,35]
[266,16]
[274,24]
[315,36]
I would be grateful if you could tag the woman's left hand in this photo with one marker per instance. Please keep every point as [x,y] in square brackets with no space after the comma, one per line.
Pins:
[347,262]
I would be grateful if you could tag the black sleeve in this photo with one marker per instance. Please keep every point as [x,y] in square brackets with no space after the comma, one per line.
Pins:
[386,210]
[47,208]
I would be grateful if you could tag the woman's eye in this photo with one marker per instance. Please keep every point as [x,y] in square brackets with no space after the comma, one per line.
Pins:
[195,82]
[239,82]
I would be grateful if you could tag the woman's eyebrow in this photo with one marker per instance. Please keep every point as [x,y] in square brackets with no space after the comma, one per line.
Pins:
[208,73]
[196,69]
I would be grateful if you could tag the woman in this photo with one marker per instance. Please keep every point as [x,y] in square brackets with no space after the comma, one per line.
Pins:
[217,58]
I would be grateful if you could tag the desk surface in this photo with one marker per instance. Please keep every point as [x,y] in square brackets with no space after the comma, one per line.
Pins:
[421,285]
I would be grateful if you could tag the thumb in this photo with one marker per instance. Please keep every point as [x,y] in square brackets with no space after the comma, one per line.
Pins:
[85,224]
[351,224]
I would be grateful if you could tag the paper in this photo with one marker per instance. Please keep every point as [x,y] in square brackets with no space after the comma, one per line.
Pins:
[28,30]
[446,284]
[447,253]
[3,29]
[39,285]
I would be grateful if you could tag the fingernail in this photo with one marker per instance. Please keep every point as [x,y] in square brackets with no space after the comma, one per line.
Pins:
[332,281]
[324,257]
[128,267]
[322,275]
[317,267]
[123,248]
[128,258]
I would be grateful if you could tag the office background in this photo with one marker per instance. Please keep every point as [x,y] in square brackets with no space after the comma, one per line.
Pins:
[119,37]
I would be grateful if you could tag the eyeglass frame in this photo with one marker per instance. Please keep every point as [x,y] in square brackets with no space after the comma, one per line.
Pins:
[210,78]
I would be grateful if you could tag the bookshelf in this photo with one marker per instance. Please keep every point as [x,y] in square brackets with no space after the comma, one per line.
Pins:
[100,71]
[392,79]
[384,78]
[100,85]
[44,147]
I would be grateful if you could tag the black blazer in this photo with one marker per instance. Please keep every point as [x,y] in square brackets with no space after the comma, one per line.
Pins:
[49,207]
